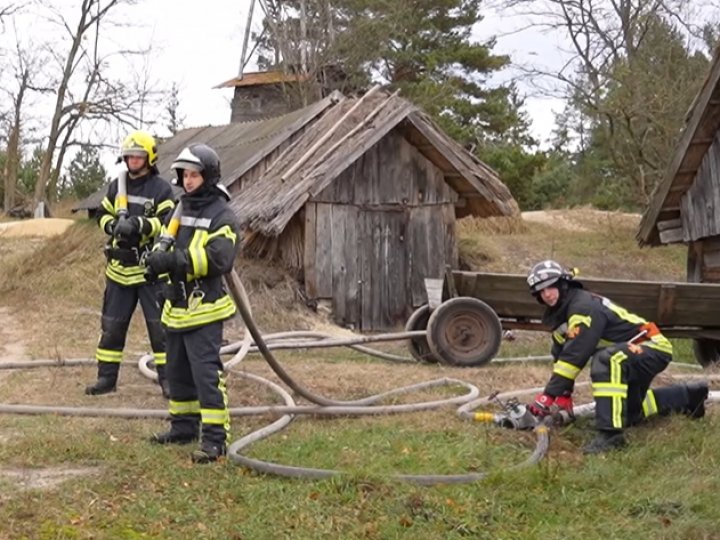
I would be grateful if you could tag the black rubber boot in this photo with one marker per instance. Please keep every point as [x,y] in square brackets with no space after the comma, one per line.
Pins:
[171,437]
[106,379]
[697,394]
[163,382]
[605,441]
[208,453]
[104,385]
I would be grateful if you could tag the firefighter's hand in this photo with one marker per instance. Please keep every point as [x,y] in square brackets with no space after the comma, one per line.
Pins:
[110,227]
[166,262]
[540,407]
[142,225]
[126,228]
[565,403]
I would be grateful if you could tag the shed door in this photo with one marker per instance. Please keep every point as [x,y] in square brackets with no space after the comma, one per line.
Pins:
[383,292]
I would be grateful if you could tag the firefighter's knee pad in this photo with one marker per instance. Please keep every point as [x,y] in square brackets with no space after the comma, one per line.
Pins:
[600,364]
[114,332]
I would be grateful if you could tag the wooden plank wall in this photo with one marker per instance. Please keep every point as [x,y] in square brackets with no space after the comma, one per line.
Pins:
[700,206]
[711,260]
[376,232]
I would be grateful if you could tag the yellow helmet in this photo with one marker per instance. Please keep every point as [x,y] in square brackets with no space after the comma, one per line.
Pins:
[140,143]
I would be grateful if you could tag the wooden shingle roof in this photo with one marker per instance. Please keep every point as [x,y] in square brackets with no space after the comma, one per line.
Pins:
[344,133]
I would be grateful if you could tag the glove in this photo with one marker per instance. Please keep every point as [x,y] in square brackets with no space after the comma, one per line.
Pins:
[540,407]
[110,227]
[166,262]
[565,403]
[127,228]
[143,225]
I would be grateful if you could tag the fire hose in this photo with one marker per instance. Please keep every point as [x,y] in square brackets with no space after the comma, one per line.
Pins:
[512,414]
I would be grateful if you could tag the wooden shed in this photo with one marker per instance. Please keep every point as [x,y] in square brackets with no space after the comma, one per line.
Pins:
[365,204]
[685,206]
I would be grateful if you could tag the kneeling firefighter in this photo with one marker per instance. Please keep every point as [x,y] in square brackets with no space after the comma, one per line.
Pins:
[197,304]
[632,353]
[131,214]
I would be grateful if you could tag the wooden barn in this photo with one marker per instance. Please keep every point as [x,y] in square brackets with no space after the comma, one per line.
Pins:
[685,207]
[364,203]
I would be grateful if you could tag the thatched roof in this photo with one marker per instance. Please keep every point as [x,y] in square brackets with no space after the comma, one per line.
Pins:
[240,145]
[703,123]
[321,154]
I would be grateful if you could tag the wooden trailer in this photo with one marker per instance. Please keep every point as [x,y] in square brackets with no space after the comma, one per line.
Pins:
[467,312]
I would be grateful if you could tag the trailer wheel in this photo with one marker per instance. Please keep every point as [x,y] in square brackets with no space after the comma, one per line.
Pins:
[464,332]
[418,347]
[707,351]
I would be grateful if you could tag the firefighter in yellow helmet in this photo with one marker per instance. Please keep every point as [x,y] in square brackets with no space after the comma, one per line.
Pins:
[131,215]
[626,352]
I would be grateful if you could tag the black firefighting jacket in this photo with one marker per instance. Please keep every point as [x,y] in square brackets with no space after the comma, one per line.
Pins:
[149,197]
[208,233]
[582,323]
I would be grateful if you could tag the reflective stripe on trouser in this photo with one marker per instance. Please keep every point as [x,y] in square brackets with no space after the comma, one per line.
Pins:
[184,416]
[118,306]
[620,381]
[194,372]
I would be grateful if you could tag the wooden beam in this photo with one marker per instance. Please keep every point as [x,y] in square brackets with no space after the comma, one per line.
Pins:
[680,188]
[671,236]
[705,141]
[669,224]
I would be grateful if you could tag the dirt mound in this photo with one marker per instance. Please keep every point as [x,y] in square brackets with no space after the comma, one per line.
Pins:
[35,227]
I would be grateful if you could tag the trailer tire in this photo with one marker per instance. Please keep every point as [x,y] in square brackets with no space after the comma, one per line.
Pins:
[418,347]
[707,351]
[464,332]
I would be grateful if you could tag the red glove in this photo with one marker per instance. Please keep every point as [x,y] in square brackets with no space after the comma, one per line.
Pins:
[565,402]
[541,406]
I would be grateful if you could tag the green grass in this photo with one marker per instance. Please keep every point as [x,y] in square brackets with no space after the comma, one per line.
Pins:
[664,486]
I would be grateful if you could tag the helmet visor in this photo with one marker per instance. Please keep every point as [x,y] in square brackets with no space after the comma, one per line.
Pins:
[188,160]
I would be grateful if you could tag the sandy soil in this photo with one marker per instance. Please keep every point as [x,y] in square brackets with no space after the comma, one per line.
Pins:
[579,219]
[35,227]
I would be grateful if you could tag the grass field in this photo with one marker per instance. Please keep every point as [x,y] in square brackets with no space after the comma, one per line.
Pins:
[81,477]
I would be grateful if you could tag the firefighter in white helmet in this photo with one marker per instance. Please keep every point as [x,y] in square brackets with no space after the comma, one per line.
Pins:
[197,304]
[621,372]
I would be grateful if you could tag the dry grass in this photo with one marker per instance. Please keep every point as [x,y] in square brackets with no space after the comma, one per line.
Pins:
[600,244]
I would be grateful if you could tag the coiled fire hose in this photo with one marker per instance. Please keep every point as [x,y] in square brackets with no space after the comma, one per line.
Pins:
[254,341]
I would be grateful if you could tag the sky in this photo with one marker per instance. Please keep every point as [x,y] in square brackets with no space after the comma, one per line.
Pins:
[198,46]
[207,52]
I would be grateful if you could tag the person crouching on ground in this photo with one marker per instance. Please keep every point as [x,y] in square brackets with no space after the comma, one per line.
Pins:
[621,372]
[197,304]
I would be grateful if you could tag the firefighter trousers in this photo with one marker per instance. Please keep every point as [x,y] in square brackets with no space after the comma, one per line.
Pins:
[621,376]
[119,303]
[197,384]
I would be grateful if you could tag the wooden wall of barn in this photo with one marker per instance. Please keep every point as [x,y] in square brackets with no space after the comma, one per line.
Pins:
[700,211]
[704,260]
[257,102]
[376,232]
[700,206]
